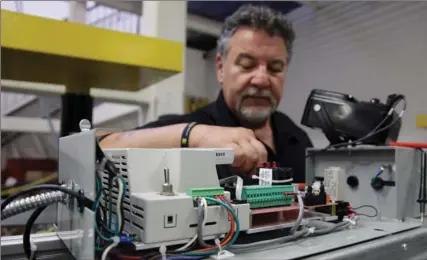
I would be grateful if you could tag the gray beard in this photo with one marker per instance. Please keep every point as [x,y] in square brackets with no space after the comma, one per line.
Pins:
[253,120]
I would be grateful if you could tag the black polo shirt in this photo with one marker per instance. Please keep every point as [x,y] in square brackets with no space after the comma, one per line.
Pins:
[290,141]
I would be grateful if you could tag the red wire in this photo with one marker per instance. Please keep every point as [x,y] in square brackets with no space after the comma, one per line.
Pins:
[409,144]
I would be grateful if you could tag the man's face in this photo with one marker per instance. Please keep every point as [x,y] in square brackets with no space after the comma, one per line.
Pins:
[252,74]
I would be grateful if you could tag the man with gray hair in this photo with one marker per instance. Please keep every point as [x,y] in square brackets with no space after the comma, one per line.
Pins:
[254,51]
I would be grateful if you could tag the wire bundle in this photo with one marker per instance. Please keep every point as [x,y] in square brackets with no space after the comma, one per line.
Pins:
[106,235]
[53,193]
[228,240]
[36,213]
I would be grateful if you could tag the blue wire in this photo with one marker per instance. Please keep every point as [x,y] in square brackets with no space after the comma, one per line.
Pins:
[236,234]
[380,172]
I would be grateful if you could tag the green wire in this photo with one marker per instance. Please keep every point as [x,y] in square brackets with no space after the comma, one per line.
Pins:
[214,251]
[97,202]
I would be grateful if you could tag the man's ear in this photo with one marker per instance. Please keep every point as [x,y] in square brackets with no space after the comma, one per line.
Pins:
[219,68]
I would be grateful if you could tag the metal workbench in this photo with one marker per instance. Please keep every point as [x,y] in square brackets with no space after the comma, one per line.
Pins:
[391,241]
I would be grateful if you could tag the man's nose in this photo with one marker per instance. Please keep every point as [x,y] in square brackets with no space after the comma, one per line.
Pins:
[261,78]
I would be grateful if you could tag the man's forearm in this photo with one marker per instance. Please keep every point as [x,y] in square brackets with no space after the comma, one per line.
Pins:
[160,137]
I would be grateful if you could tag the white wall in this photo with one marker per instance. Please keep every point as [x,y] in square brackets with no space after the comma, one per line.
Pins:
[367,49]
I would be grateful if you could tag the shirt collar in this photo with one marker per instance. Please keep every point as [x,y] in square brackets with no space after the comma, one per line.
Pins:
[225,115]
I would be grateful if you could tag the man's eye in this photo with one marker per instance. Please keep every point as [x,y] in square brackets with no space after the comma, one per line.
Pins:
[275,69]
[247,65]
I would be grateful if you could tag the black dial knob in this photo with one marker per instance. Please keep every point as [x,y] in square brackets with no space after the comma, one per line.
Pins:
[378,183]
[353,181]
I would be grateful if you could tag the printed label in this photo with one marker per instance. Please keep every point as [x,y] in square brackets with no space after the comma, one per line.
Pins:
[265,177]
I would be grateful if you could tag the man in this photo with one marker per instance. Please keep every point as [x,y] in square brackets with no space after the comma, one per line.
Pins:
[252,61]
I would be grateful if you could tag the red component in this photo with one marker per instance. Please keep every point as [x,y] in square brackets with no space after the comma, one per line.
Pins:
[410,145]
[301,186]
[274,165]
[350,209]
[287,193]
[261,165]
[268,165]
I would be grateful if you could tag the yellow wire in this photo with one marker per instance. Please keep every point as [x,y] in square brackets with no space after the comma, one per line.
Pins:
[26,186]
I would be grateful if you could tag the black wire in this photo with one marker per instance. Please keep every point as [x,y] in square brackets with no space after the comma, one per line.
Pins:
[45,187]
[366,206]
[112,172]
[101,221]
[27,232]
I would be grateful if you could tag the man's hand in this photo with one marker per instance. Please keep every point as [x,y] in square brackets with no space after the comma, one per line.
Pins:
[248,151]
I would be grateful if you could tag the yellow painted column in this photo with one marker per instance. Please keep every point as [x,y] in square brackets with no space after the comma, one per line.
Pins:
[166,20]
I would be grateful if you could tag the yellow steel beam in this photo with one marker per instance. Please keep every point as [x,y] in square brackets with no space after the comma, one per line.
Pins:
[37,49]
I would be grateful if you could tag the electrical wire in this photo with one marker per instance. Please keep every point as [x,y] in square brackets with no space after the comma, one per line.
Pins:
[189,243]
[362,214]
[98,208]
[45,187]
[116,241]
[277,242]
[300,214]
[270,242]
[273,181]
[109,198]
[201,222]
[119,204]
[294,234]
[237,181]
[374,131]
[202,219]
[122,187]
[19,206]
[184,257]
[228,241]
[336,227]
[380,171]
[27,232]
[96,205]
[119,201]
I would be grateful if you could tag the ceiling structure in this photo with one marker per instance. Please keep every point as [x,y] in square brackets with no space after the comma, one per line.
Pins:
[218,10]
[213,11]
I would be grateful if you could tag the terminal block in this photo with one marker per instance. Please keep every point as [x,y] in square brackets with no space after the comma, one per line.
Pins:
[268,196]
[206,192]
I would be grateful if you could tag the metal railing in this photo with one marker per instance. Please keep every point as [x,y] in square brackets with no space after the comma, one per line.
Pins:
[112,19]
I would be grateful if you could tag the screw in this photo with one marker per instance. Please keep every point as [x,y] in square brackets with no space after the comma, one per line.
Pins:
[405,247]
